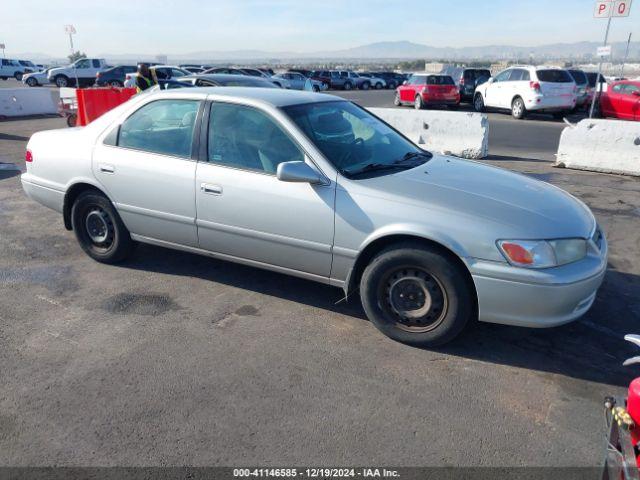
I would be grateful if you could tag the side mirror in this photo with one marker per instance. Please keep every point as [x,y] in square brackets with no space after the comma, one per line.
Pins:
[405,82]
[298,172]
[491,80]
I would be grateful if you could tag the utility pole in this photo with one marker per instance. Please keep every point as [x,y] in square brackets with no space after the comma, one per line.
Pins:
[70,30]
[626,56]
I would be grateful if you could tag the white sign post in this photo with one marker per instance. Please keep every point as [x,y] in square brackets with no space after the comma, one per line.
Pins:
[607,9]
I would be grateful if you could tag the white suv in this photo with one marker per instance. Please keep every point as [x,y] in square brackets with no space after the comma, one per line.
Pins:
[523,89]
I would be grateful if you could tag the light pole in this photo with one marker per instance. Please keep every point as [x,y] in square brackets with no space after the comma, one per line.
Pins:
[598,84]
[2,47]
[71,30]
[626,56]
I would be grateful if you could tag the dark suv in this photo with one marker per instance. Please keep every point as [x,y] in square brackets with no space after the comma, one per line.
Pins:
[114,76]
[392,79]
[467,79]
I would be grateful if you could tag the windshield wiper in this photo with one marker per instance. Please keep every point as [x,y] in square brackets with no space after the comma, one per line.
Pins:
[374,167]
[412,156]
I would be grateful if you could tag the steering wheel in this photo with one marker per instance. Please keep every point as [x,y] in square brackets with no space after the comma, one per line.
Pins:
[356,143]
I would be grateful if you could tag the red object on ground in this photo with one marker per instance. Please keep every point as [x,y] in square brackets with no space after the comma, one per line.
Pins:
[93,102]
[633,407]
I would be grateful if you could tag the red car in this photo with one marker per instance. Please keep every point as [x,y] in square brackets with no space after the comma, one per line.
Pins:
[621,100]
[422,90]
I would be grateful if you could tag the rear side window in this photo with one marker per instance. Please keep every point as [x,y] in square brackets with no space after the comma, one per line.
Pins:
[554,76]
[440,80]
[163,126]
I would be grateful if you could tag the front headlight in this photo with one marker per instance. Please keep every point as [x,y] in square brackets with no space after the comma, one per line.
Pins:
[543,253]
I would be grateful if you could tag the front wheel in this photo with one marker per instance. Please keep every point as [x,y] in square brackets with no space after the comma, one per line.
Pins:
[347,86]
[99,229]
[18,76]
[417,295]
[518,110]
[478,103]
[315,88]
[396,100]
[378,86]
[32,82]
[418,104]
[366,85]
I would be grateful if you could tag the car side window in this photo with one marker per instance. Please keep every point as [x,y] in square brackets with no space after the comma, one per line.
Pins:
[247,138]
[163,126]
[503,76]
[83,64]
[96,63]
[516,75]
[629,89]
[617,88]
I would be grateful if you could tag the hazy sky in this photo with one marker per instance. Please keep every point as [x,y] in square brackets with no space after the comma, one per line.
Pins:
[172,27]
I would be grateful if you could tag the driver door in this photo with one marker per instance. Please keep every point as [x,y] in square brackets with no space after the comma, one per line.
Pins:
[244,211]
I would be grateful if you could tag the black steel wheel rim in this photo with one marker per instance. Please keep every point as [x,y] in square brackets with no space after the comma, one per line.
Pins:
[413,300]
[99,228]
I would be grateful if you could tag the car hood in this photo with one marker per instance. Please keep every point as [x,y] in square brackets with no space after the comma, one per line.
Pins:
[519,206]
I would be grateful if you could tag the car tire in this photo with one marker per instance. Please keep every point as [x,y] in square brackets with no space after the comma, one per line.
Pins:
[518,110]
[61,81]
[99,229]
[478,103]
[31,82]
[348,86]
[417,295]
[396,100]
[72,120]
[315,88]
[418,104]
[378,86]
[18,76]
[392,85]
[116,84]
[366,86]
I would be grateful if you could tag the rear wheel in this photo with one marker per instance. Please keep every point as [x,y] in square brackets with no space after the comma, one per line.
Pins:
[347,86]
[392,85]
[61,81]
[478,103]
[18,76]
[378,86]
[418,104]
[518,110]
[99,229]
[365,86]
[417,295]
[396,100]
[315,88]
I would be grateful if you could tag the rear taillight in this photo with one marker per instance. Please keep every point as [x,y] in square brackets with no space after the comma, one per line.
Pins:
[534,86]
[28,156]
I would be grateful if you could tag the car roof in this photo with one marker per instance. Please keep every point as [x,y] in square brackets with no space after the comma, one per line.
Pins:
[275,97]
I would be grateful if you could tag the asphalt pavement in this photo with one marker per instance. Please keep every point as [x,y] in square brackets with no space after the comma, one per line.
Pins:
[177,359]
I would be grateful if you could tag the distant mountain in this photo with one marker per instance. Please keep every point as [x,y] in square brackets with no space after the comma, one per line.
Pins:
[382,51]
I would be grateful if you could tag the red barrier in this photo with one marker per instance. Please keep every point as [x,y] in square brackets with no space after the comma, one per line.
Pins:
[93,102]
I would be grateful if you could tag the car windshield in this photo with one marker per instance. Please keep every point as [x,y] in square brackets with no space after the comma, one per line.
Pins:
[358,144]
[554,76]
[234,81]
[579,77]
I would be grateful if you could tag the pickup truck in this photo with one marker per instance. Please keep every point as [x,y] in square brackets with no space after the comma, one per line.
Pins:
[84,69]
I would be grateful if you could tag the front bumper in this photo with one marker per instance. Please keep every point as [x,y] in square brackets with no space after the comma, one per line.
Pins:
[538,298]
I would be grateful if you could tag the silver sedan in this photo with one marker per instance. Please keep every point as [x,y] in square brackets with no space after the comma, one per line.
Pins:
[311,185]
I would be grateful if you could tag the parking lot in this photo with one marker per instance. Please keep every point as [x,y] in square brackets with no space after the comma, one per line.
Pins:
[177,359]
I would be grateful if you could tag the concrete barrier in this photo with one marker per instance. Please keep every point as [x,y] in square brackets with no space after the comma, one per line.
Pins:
[17,102]
[461,134]
[609,146]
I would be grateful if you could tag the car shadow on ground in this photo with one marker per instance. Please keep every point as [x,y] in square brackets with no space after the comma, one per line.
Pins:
[590,349]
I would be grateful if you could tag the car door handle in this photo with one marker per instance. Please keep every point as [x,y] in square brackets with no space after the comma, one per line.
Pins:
[107,168]
[211,189]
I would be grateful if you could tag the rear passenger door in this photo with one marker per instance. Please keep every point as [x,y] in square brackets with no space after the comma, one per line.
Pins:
[147,169]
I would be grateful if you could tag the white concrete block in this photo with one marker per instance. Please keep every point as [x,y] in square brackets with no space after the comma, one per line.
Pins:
[16,102]
[609,146]
[460,134]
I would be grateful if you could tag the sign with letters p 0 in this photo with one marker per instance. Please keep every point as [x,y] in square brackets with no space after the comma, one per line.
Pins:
[621,8]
